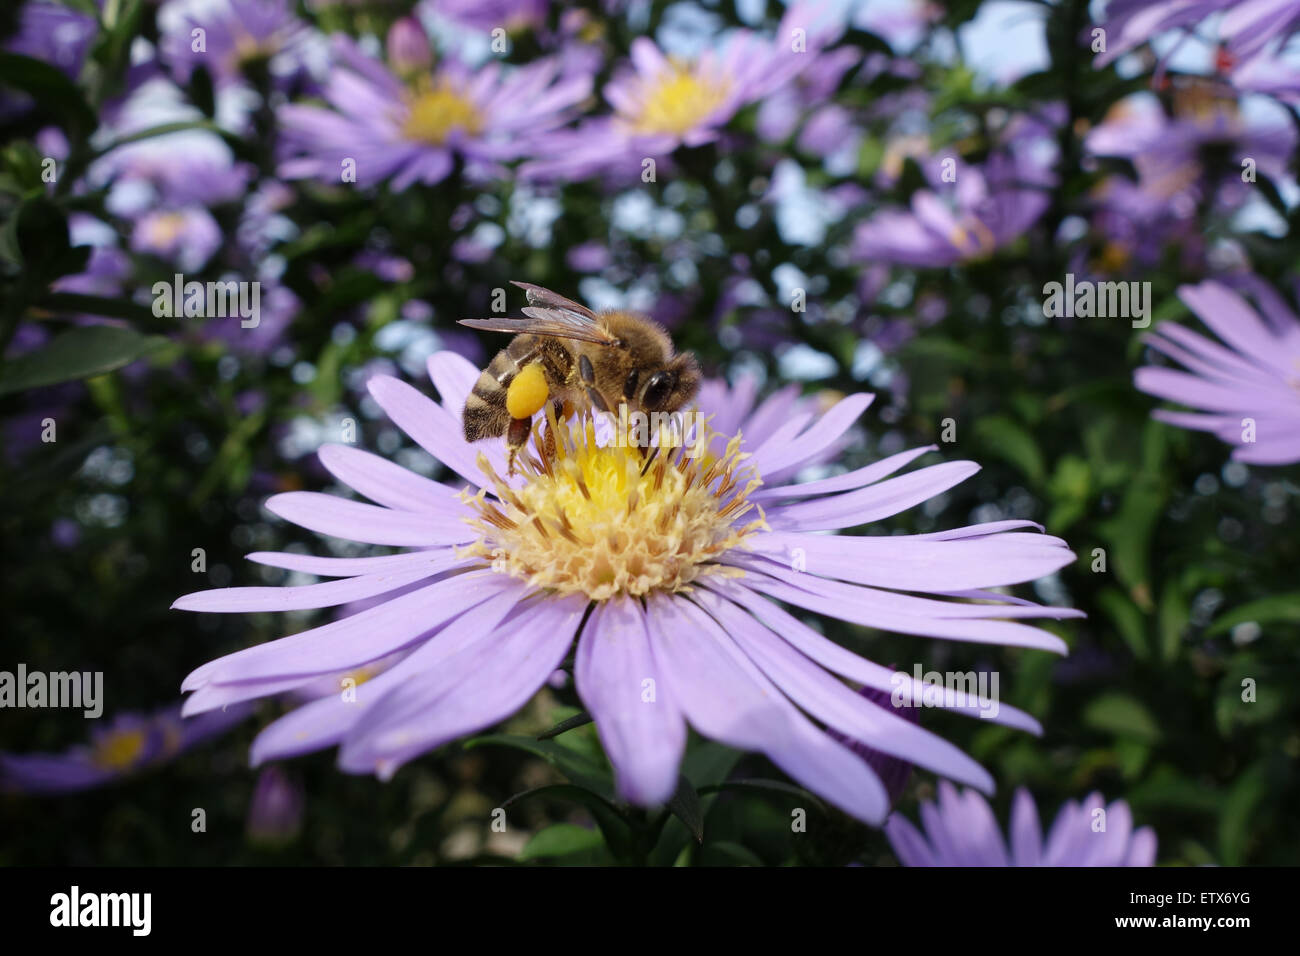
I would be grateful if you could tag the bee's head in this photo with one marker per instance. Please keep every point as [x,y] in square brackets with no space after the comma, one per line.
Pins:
[669,388]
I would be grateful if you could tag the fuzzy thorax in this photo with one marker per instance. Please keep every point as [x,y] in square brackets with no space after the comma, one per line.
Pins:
[608,520]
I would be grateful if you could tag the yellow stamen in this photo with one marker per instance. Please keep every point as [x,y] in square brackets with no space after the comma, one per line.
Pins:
[601,521]
[678,101]
[119,750]
[437,111]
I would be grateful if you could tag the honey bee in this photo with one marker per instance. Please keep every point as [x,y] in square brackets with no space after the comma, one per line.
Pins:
[564,353]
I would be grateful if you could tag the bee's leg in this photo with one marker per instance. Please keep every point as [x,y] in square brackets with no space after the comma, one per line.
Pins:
[516,438]
[588,376]
[561,410]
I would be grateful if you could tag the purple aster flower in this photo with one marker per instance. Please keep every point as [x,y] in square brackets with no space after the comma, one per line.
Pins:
[781,113]
[54,33]
[1173,156]
[126,745]
[969,219]
[1246,387]
[960,830]
[660,102]
[665,573]
[186,237]
[235,33]
[381,128]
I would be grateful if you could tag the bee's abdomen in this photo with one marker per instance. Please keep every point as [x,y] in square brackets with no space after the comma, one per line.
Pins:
[485,414]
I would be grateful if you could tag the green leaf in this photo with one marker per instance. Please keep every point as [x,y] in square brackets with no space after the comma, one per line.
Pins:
[770,788]
[1237,819]
[1128,619]
[613,824]
[1283,608]
[40,236]
[567,842]
[577,720]
[76,354]
[60,99]
[1122,716]
[1173,619]
[1008,440]
[685,806]
[76,303]
[576,767]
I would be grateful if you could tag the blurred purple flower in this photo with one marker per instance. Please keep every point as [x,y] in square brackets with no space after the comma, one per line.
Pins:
[235,33]
[383,129]
[511,15]
[55,34]
[660,102]
[960,221]
[496,606]
[960,830]
[129,743]
[186,237]
[1246,27]
[276,810]
[1247,389]
[591,256]
[1172,156]
[407,48]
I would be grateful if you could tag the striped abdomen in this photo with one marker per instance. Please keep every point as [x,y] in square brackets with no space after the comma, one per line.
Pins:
[485,413]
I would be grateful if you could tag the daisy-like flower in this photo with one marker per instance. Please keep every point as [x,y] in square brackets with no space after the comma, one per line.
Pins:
[666,570]
[227,36]
[381,128]
[1245,387]
[661,102]
[960,830]
[1197,153]
[966,220]
[127,745]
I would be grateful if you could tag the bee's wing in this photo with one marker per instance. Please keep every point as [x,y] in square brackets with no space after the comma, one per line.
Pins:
[552,300]
[556,323]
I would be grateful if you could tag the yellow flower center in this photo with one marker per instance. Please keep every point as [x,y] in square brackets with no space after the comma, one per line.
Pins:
[119,750]
[1115,257]
[248,48]
[677,102]
[973,238]
[164,228]
[438,110]
[607,520]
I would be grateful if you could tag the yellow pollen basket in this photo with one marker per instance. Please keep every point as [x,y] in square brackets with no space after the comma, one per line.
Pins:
[677,102]
[527,393]
[608,520]
[436,111]
[119,750]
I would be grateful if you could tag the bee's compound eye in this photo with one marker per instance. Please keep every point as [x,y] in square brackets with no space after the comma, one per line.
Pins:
[657,390]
